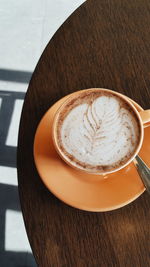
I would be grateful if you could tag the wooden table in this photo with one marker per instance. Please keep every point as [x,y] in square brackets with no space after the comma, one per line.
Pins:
[103,44]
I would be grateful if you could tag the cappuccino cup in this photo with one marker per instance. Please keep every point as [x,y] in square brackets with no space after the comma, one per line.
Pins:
[98,131]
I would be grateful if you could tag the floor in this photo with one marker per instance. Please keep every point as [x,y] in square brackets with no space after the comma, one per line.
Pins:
[25,28]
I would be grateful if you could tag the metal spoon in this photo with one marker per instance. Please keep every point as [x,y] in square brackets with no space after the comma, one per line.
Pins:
[144,172]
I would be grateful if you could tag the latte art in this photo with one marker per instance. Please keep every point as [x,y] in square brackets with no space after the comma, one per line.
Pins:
[99,132]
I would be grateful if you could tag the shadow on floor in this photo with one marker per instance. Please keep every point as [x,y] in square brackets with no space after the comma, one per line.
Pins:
[10,201]
[8,153]
[15,76]
[8,193]
[17,259]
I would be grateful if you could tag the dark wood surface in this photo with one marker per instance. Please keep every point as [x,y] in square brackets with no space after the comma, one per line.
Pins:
[105,43]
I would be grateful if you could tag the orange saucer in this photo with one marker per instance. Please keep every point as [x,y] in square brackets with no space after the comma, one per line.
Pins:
[85,191]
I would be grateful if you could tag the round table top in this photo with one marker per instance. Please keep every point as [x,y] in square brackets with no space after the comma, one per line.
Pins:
[103,44]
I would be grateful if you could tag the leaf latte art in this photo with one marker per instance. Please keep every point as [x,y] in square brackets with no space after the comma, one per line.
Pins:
[99,133]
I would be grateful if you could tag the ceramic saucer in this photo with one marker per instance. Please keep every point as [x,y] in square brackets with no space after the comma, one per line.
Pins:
[85,191]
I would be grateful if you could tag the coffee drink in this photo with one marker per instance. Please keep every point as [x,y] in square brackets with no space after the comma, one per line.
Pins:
[97,131]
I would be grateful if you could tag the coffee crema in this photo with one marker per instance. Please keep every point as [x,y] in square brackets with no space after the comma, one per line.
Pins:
[97,131]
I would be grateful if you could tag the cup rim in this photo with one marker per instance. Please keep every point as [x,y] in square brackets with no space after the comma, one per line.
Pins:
[64,157]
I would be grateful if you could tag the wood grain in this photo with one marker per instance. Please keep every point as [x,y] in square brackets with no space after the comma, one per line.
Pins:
[105,43]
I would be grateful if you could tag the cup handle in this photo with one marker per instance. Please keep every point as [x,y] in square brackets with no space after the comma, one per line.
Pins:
[145,116]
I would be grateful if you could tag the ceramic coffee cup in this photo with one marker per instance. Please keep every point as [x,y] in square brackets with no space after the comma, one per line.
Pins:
[99,131]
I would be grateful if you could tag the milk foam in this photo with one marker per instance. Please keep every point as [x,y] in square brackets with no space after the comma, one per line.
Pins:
[101,133]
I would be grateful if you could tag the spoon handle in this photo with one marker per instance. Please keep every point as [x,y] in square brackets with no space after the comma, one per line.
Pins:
[144,172]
